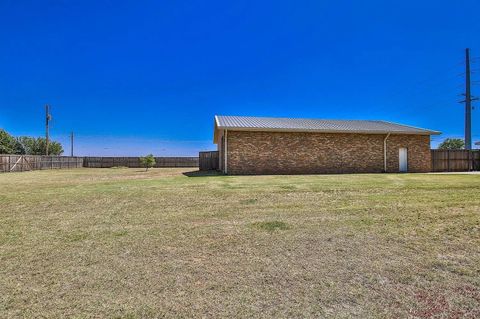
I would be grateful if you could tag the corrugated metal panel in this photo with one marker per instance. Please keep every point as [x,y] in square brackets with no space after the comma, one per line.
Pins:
[313,125]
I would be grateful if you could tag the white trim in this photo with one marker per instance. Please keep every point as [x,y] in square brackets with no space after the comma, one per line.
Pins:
[225,151]
[215,129]
[216,120]
[385,153]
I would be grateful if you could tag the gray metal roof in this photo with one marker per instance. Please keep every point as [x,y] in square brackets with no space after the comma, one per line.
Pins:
[250,123]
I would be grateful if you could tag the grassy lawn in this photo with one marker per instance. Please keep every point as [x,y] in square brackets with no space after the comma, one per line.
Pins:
[123,243]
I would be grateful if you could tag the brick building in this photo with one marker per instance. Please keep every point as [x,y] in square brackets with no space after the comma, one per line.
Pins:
[261,145]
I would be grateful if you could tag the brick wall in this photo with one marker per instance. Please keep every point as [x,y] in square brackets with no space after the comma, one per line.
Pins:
[419,154]
[309,153]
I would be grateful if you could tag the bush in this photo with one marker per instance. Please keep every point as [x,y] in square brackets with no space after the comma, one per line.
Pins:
[147,161]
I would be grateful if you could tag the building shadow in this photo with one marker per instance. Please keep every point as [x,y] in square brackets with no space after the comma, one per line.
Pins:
[202,173]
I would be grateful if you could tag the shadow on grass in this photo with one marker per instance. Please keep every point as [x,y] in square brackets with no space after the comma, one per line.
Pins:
[202,173]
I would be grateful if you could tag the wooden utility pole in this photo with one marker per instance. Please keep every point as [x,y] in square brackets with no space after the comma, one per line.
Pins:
[47,121]
[71,144]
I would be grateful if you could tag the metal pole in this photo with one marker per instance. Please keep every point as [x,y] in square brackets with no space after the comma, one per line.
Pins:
[226,152]
[468,103]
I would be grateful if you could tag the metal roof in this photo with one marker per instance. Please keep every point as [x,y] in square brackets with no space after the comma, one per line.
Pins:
[250,123]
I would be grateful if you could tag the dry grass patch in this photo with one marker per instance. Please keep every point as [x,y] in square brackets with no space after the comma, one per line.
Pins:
[271,226]
[125,243]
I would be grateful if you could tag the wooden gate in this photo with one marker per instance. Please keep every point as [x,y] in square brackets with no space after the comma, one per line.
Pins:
[208,161]
[21,163]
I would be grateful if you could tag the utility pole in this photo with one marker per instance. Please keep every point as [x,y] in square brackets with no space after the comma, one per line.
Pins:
[71,144]
[468,103]
[47,121]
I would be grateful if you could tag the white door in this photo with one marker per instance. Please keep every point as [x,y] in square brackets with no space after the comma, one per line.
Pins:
[403,160]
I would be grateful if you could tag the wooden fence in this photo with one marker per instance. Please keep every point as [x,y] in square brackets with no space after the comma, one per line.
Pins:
[133,162]
[21,163]
[455,160]
[208,160]
[442,161]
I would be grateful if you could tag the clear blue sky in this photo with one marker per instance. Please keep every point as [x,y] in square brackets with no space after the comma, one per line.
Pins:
[134,77]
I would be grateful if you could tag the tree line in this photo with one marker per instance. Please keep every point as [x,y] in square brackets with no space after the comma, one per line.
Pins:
[27,145]
[452,144]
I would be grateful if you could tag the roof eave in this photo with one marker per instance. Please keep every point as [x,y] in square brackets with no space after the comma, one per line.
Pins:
[215,129]
[431,132]
[258,129]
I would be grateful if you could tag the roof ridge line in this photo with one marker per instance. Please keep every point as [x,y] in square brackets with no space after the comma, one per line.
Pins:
[297,118]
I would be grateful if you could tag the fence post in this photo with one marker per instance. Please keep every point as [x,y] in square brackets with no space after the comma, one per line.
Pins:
[470,166]
[432,153]
[448,160]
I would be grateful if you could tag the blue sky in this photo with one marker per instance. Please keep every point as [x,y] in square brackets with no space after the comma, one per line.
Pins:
[137,77]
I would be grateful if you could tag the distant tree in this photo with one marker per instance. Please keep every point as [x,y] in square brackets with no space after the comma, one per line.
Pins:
[148,161]
[452,144]
[9,144]
[30,145]
[55,148]
[38,146]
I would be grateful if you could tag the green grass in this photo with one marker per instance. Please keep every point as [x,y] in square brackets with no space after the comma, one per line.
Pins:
[125,243]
